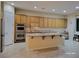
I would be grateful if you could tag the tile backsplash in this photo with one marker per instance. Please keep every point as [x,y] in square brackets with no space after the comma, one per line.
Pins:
[60,30]
[52,29]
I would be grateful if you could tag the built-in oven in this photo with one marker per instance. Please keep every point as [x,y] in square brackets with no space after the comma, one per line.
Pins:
[20,33]
[19,27]
[20,36]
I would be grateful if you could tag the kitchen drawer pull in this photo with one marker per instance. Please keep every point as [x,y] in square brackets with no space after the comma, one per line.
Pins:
[43,37]
[60,35]
[32,37]
[53,36]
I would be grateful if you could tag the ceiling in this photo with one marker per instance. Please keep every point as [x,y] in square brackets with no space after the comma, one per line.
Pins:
[47,6]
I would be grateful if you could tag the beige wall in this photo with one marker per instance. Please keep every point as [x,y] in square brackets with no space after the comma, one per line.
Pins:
[33,13]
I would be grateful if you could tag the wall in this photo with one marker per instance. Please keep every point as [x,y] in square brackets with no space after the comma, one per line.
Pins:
[0,26]
[71,25]
[33,13]
[0,9]
[8,24]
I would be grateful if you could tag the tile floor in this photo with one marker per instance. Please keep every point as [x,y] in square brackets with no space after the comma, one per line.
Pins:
[18,50]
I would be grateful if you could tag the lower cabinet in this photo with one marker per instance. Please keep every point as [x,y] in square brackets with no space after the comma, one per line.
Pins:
[37,42]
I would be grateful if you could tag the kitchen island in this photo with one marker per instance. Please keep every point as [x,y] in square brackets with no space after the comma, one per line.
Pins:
[43,40]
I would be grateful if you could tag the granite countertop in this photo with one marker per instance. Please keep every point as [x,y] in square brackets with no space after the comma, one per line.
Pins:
[43,34]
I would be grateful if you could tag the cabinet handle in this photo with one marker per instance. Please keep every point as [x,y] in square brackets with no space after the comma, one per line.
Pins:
[53,36]
[32,37]
[60,35]
[43,37]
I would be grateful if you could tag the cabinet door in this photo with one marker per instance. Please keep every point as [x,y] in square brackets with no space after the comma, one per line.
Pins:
[53,23]
[60,23]
[34,25]
[65,23]
[28,21]
[50,22]
[41,22]
[23,19]
[45,22]
[17,19]
[35,21]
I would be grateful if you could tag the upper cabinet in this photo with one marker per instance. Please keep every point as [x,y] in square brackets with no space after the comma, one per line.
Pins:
[42,22]
[17,19]
[28,21]
[35,21]
[23,19]
[60,23]
[45,22]
[65,23]
[53,25]
[50,22]
[20,19]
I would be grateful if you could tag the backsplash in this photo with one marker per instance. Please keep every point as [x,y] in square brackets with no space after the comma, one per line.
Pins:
[52,29]
[60,30]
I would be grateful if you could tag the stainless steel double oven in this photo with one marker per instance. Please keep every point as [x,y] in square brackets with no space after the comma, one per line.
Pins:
[20,33]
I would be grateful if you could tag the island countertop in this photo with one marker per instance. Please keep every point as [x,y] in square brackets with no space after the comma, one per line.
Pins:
[36,41]
[43,34]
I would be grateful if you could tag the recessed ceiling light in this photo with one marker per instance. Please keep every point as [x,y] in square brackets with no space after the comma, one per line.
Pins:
[35,6]
[77,7]
[12,3]
[64,11]
[53,10]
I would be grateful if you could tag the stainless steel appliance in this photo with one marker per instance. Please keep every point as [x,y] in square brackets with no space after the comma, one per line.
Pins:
[20,33]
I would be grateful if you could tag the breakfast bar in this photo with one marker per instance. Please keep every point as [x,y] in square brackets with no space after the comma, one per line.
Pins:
[43,40]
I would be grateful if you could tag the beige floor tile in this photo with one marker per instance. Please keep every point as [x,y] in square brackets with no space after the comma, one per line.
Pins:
[18,50]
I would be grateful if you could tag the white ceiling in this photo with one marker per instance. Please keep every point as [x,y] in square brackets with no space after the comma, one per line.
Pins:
[59,6]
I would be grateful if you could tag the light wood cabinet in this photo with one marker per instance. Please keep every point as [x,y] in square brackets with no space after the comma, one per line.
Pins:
[45,22]
[60,23]
[57,23]
[35,21]
[53,25]
[20,19]
[17,19]
[28,21]
[23,19]
[50,22]
[41,22]
[65,23]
